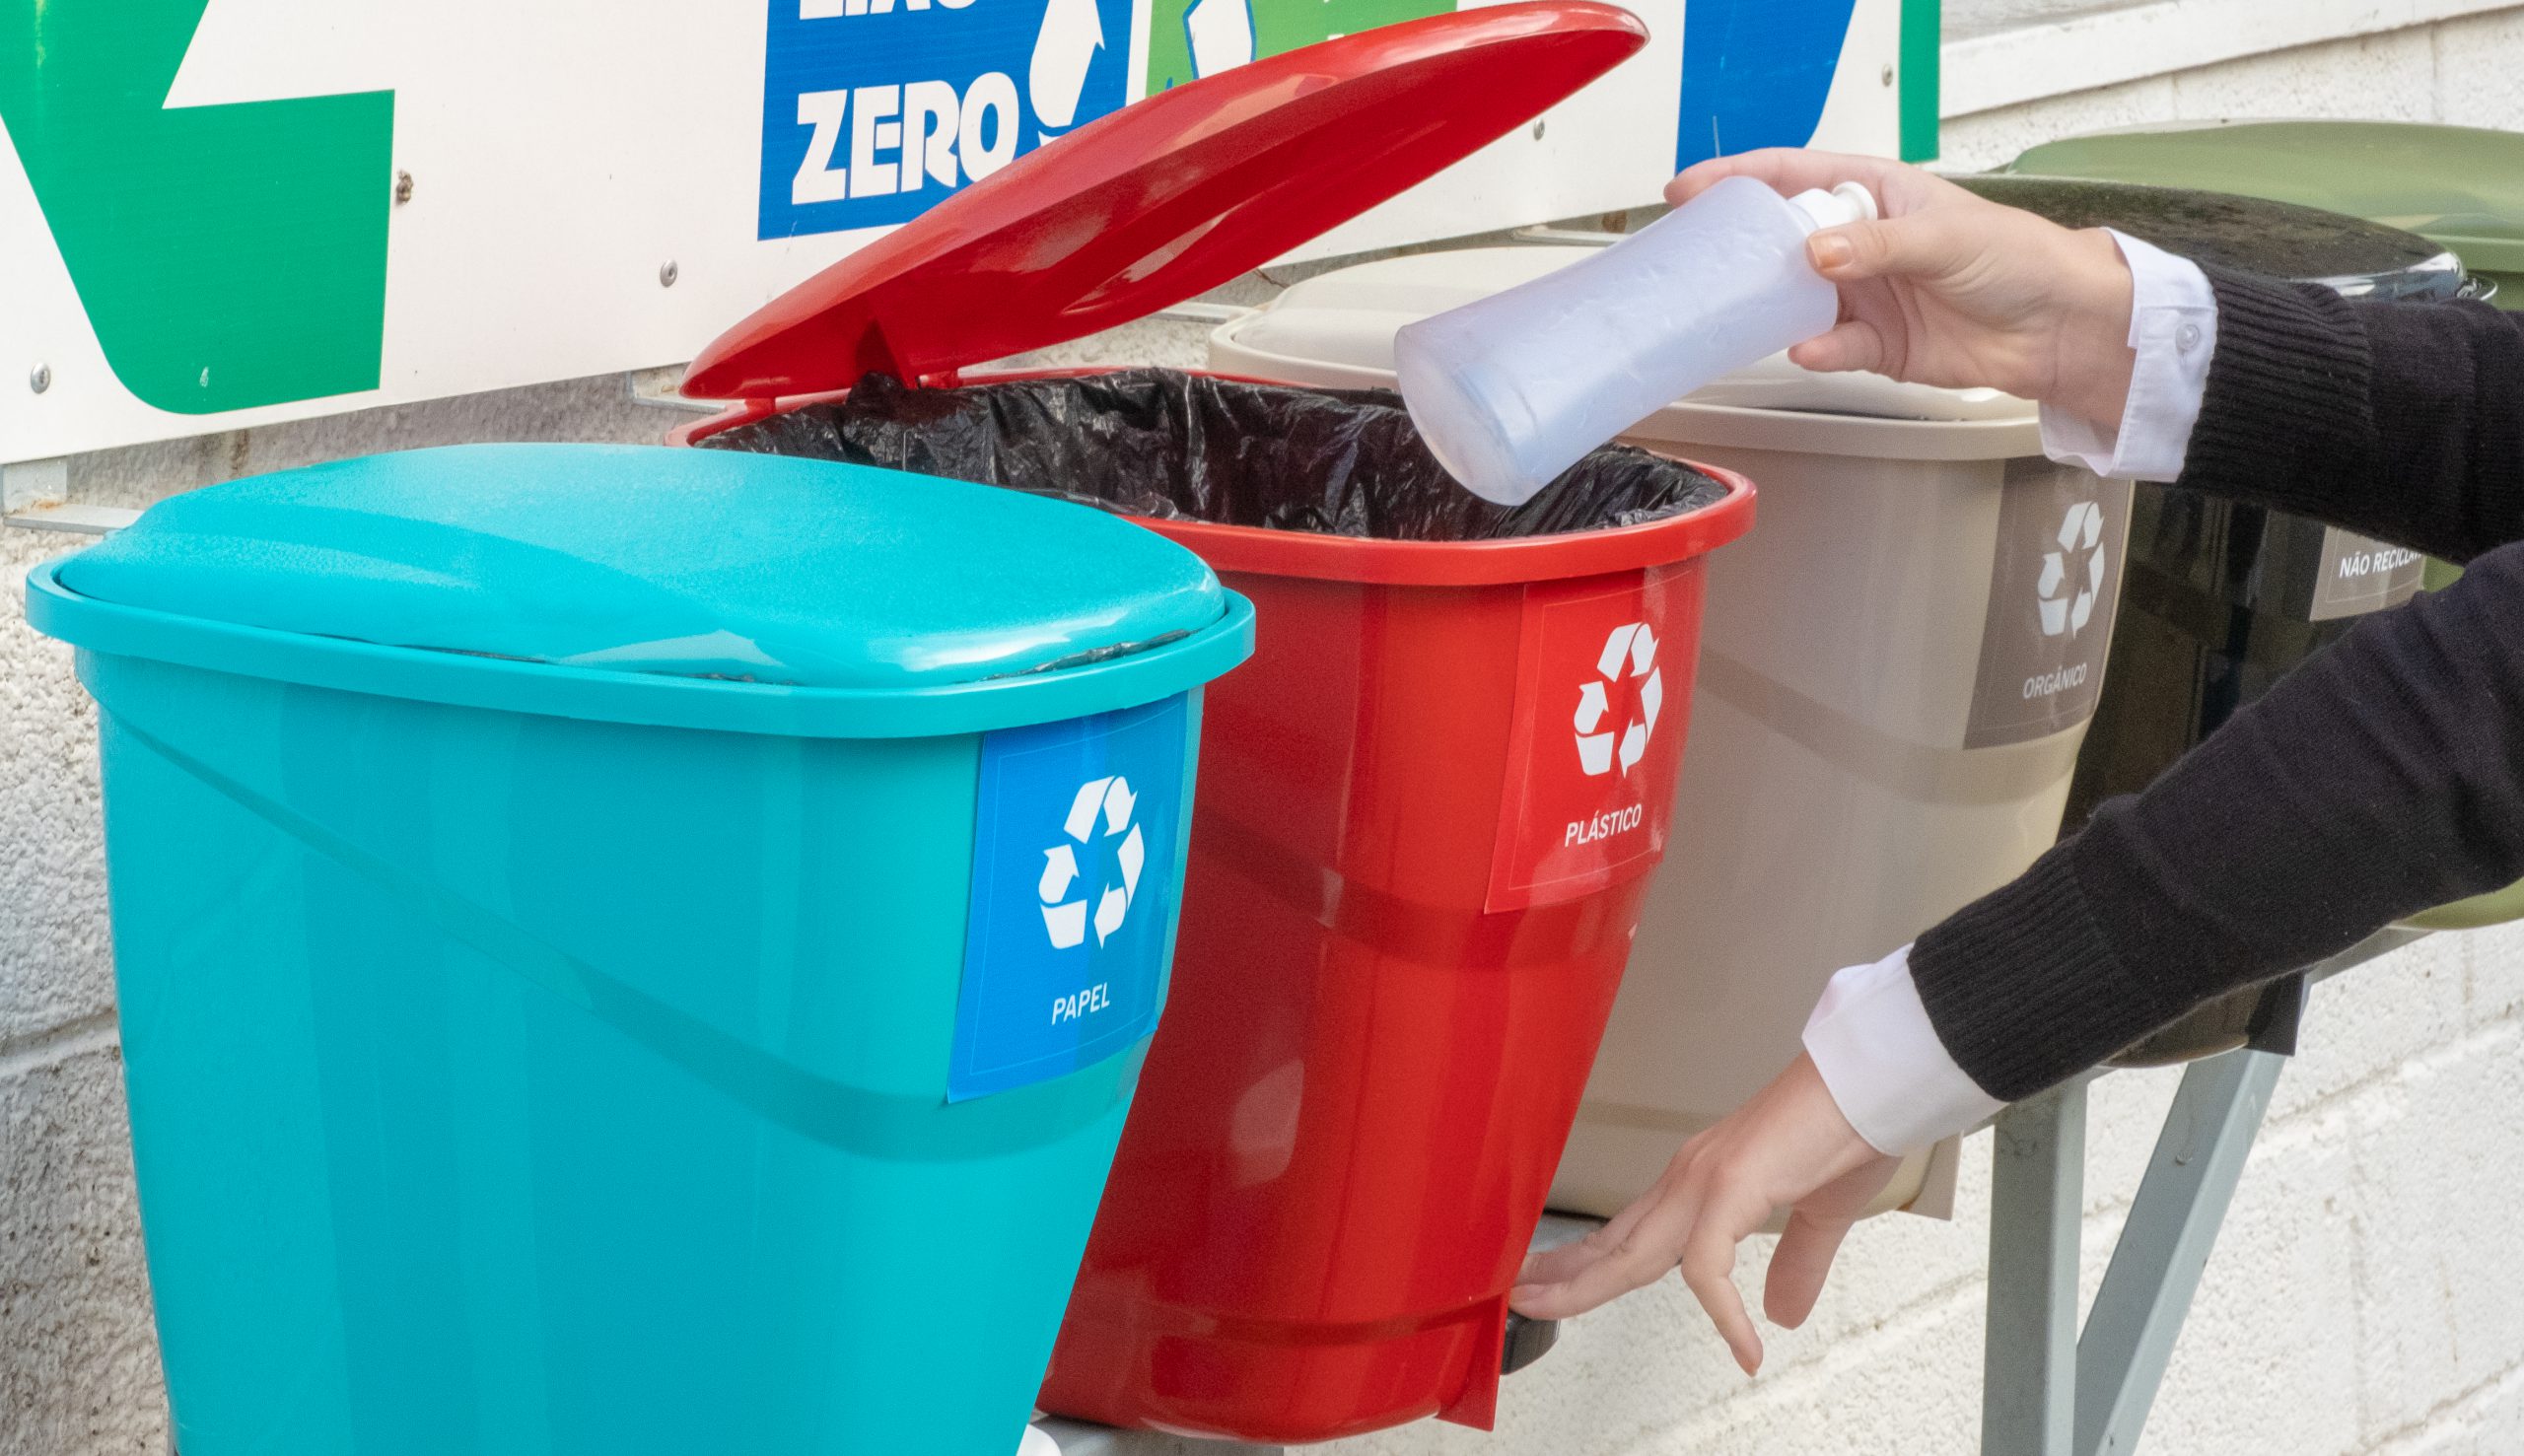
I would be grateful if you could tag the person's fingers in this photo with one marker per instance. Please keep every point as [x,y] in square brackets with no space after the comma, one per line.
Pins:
[1709,1267]
[1557,1266]
[1700,177]
[1633,1265]
[1563,1263]
[1922,245]
[1853,344]
[1787,170]
[1560,1265]
[1639,1259]
[1799,1265]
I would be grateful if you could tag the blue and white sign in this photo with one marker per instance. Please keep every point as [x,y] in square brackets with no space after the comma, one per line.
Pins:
[874,109]
[1075,864]
[610,187]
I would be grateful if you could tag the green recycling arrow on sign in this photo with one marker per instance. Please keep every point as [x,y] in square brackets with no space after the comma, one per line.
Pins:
[229,255]
[1191,38]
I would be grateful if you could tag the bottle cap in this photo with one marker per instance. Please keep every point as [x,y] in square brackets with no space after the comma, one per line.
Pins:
[1850,202]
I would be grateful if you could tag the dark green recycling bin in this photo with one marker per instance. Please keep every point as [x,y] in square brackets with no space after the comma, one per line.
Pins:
[2461,188]
[2221,598]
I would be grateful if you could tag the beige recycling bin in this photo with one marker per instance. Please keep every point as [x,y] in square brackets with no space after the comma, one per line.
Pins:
[1897,667]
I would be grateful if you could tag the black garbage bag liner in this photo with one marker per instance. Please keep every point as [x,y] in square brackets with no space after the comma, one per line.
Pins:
[1183,447]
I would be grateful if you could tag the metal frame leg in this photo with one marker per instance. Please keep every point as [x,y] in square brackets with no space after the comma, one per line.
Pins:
[2043,1380]
[2037,1196]
[2165,1247]
[2050,1391]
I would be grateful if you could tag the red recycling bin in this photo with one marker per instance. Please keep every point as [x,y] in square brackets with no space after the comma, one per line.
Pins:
[1406,909]
[1428,805]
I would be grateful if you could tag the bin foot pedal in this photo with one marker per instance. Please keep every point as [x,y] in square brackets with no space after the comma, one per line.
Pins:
[1527,1342]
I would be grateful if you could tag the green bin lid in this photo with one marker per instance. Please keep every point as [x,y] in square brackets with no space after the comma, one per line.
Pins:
[2461,188]
[655,585]
[2280,238]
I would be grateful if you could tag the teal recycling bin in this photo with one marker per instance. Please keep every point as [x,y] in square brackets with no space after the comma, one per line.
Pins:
[630,952]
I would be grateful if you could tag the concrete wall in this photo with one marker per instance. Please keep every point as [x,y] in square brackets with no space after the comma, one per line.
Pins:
[2363,1298]
[2466,72]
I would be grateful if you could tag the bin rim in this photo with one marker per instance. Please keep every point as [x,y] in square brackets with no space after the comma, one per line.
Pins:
[2428,270]
[1366,560]
[2479,252]
[640,699]
[1373,563]
[1686,424]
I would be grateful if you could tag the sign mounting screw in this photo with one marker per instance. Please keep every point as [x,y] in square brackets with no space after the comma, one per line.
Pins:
[668,273]
[1887,76]
[40,379]
[402,187]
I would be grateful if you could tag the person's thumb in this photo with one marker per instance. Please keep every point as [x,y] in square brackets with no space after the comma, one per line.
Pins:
[1886,247]
[1801,1265]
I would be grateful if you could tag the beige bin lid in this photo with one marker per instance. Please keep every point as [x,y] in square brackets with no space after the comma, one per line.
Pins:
[1337,329]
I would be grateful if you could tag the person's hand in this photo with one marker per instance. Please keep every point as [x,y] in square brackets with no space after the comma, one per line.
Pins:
[1788,1148]
[1953,290]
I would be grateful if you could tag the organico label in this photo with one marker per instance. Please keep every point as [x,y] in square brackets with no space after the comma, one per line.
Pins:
[873,111]
[1604,686]
[2054,585]
[1075,842]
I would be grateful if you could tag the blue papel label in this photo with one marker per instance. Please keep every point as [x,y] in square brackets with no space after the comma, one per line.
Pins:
[1074,868]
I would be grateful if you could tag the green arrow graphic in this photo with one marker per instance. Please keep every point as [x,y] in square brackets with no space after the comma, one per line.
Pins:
[228,256]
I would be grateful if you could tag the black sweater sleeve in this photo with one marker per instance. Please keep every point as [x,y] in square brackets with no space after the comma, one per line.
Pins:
[2401,421]
[2381,778]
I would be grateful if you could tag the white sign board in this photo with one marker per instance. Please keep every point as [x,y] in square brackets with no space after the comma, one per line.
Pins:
[216,214]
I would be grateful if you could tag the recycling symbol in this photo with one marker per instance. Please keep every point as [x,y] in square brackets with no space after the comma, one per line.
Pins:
[1630,654]
[1065,52]
[1065,915]
[2081,533]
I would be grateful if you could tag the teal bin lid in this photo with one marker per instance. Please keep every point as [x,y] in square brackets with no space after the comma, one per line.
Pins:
[654,584]
[2461,188]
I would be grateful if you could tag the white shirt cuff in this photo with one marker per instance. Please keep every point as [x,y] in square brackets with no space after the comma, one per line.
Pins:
[1871,1039]
[2173,326]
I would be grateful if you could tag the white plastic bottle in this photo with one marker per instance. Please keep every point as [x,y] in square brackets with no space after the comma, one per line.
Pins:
[1513,390]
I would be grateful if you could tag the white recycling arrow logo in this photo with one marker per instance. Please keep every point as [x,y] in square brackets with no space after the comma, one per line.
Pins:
[1630,652]
[2065,612]
[1066,917]
[1064,48]
[1221,34]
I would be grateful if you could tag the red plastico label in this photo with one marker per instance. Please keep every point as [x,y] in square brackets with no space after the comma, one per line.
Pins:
[1604,693]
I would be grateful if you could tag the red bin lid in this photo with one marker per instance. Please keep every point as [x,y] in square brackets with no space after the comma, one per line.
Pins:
[1168,197]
